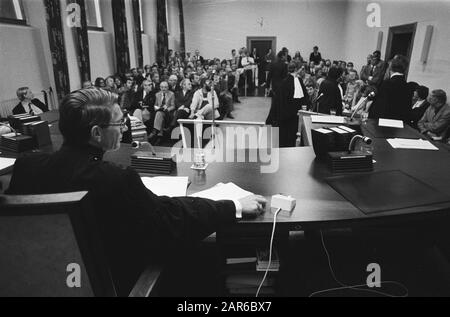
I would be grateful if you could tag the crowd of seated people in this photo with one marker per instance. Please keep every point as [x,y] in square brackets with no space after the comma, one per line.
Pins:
[379,90]
[185,86]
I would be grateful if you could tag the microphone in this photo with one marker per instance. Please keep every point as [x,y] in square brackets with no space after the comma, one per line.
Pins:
[140,145]
[360,103]
[317,100]
[351,146]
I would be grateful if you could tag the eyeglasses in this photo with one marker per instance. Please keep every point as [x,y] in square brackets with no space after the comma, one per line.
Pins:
[122,124]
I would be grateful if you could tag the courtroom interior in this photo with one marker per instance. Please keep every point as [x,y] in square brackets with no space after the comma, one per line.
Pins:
[222,149]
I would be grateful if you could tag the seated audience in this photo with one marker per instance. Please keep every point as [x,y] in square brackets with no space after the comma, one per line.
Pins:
[99,82]
[435,123]
[28,104]
[420,104]
[136,227]
[394,96]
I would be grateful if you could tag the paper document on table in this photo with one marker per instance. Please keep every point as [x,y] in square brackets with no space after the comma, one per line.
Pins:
[327,119]
[391,123]
[167,185]
[222,191]
[6,164]
[412,144]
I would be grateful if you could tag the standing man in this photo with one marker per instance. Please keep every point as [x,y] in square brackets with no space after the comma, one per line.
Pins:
[394,96]
[277,74]
[292,96]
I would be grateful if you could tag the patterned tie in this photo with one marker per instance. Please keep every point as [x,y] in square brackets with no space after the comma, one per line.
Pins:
[164,100]
[31,112]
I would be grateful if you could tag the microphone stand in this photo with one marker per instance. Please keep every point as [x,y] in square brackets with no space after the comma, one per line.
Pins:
[213,131]
[361,102]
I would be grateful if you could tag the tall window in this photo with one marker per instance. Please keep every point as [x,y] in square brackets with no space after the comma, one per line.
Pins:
[12,11]
[141,16]
[93,16]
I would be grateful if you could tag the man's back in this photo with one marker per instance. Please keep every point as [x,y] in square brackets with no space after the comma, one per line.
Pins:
[393,100]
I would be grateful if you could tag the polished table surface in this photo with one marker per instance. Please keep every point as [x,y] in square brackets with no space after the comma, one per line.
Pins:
[303,177]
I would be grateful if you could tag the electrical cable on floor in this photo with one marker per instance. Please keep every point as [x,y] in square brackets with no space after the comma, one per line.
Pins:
[270,251]
[355,287]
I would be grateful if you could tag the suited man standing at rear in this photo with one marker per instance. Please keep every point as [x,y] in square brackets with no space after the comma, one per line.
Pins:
[394,97]
[28,104]
[292,96]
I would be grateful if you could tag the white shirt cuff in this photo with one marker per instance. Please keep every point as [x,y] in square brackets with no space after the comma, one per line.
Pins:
[238,209]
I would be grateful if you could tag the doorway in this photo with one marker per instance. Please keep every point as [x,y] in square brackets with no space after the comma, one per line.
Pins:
[401,41]
[262,45]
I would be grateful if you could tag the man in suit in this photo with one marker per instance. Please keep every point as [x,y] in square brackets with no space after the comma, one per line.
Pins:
[136,227]
[277,74]
[197,58]
[28,104]
[420,106]
[142,104]
[164,112]
[435,123]
[377,70]
[394,96]
[292,95]
[183,100]
[366,69]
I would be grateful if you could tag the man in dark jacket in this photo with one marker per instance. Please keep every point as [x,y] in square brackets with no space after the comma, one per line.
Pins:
[277,74]
[28,104]
[136,226]
[330,96]
[394,97]
[292,95]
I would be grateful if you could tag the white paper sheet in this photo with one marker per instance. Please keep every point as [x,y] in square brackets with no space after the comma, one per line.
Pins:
[391,123]
[412,144]
[167,185]
[6,163]
[222,191]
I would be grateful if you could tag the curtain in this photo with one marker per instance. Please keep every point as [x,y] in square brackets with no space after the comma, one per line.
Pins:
[182,36]
[138,32]
[162,36]
[82,43]
[57,47]
[121,36]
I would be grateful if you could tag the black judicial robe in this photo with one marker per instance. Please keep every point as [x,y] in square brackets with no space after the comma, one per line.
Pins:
[288,109]
[137,226]
[276,76]
[393,100]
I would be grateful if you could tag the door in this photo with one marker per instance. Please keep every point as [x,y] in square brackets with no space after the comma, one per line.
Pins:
[262,45]
[401,41]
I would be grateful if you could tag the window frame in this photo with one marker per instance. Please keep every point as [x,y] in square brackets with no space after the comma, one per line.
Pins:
[98,16]
[20,14]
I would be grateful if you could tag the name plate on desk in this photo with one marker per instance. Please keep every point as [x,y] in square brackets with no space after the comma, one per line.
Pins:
[328,119]
[153,164]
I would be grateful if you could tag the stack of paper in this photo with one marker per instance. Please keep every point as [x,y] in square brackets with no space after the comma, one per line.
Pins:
[222,191]
[167,185]
[412,144]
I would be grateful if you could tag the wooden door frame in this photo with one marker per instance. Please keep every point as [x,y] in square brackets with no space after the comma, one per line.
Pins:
[273,39]
[400,29]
